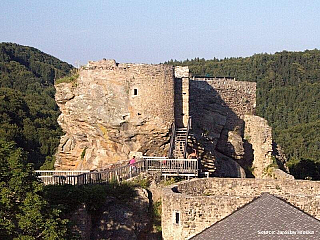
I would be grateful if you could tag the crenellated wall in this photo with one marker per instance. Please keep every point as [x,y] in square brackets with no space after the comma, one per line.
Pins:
[202,202]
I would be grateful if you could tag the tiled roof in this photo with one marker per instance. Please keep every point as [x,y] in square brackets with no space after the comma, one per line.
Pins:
[266,217]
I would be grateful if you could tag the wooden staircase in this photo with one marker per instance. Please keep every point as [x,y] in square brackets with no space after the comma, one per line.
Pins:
[179,141]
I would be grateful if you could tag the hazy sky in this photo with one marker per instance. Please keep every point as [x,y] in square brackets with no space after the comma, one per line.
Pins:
[159,30]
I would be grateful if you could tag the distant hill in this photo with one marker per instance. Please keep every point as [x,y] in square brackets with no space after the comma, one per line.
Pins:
[28,112]
[288,96]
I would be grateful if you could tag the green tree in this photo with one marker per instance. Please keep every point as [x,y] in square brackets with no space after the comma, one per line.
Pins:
[24,214]
[28,111]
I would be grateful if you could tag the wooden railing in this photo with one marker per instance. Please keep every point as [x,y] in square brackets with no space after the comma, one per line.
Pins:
[173,166]
[54,177]
[163,165]
[91,177]
[187,136]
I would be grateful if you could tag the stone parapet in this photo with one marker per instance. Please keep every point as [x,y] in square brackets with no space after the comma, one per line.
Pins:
[199,203]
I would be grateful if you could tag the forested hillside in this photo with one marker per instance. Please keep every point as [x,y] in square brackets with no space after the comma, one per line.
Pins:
[28,112]
[288,96]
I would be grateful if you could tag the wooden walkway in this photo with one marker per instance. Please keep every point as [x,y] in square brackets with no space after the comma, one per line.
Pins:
[167,167]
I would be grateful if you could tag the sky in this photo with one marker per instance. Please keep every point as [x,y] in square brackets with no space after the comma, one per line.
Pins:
[155,31]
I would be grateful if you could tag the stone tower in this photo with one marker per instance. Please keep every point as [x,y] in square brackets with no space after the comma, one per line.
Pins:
[113,110]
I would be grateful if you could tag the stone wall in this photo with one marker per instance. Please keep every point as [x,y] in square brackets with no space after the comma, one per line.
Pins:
[238,96]
[202,202]
[113,109]
[182,95]
[181,72]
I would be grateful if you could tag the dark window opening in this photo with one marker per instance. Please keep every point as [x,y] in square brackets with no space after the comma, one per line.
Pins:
[177,218]
[135,92]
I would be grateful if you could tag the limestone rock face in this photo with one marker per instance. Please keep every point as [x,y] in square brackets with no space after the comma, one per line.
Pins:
[259,135]
[113,110]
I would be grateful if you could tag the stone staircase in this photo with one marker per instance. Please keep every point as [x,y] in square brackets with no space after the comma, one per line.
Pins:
[179,143]
[69,162]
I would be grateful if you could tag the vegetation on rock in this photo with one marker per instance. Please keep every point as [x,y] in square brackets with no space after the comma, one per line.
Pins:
[70,78]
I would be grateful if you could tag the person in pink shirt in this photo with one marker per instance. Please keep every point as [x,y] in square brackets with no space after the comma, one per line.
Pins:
[132,163]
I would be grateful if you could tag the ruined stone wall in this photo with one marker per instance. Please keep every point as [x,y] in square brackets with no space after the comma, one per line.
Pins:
[112,110]
[217,108]
[202,202]
[238,96]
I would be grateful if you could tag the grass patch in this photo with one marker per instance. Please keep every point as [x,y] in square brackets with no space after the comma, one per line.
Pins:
[269,169]
[171,180]
[156,216]
[141,182]
[83,152]
[71,78]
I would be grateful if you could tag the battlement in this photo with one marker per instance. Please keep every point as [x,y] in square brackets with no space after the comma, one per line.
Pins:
[112,65]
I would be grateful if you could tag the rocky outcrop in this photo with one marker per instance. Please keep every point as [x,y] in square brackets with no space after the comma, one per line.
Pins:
[126,219]
[259,134]
[113,111]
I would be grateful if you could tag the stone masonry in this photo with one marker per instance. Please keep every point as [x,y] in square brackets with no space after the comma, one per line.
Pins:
[182,95]
[199,203]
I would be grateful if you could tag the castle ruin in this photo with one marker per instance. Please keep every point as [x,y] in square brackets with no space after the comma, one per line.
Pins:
[113,111]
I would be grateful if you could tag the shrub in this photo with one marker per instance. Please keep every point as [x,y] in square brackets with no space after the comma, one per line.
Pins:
[71,78]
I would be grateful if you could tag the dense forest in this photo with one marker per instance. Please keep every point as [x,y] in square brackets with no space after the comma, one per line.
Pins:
[29,136]
[28,112]
[288,96]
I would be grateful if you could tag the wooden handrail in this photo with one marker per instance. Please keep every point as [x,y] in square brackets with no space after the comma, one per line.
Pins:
[186,139]
[159,164]
[172,139]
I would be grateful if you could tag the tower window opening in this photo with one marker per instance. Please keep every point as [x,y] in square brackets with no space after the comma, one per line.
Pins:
[135,92]
[177,217]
